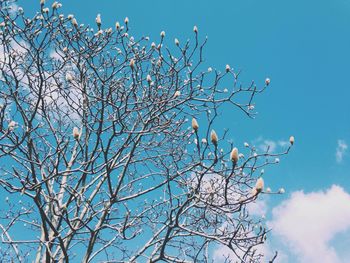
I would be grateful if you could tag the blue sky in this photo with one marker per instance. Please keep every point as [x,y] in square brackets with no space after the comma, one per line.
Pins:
[303,46]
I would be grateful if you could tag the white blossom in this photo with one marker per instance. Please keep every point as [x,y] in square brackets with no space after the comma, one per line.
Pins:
[234,155]
[69,77]
[259,184]
[76,133]
[195,125]
[214,137]
[12,125]
[132,63]
[74,22]
[117,25]
[98,20]
[291,140]
[177,94]
[55,5]
[149,79]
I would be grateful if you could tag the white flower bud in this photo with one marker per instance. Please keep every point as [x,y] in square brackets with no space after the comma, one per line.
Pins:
[204,141]
[277,160]
[76,133]
[214,137]
[162,34]
[268,190]
[267,81]
[42,2]
[291,140]
[132,63]
[149,79]
[98,20]
[177,42]
[177,94]
[74,22]
[46,10]
[195,125]
[234,155]
[126,20]
[246,144]
[259,184]
[195,29]
[281,191]
[69,77]
[227,68]
[210,69]
[12,125]
[117,25]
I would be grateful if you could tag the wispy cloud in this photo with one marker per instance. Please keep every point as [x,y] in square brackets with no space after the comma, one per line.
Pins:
[264,144]
[340,151]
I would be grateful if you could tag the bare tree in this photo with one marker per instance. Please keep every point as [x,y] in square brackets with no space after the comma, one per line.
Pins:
[102,157]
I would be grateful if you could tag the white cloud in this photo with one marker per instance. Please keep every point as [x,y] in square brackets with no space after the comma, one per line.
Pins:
[307,223]
[257,208]
[340,151]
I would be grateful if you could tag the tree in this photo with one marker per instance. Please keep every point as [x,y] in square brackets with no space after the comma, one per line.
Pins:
[100,143]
